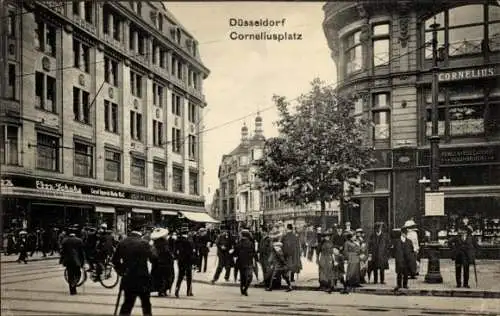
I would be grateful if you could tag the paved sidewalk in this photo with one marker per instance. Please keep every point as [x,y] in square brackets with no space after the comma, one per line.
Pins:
[37,256]
[488,274]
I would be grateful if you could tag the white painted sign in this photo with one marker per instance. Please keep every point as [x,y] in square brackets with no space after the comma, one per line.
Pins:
[434,204]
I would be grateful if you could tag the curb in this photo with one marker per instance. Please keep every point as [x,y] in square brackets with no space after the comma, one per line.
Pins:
[29,259]
[387,292]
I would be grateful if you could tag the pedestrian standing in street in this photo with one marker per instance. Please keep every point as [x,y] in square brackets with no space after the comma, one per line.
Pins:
[224,244]
[338,238]
[11,244]
[161,261]
[363,257]
[131,262]
[412,235]
[203,242]
[464,254]
[325,263]
[73,258]
[352,251]
[311,243]
[403,255]
[378,249]
[291,250]
[185,253]
[22,246]
[245,254]
[264,251]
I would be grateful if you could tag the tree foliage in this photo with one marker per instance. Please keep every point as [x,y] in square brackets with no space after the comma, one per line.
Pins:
[320,151]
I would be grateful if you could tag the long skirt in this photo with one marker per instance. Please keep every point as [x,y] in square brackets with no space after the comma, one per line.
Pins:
[353,276]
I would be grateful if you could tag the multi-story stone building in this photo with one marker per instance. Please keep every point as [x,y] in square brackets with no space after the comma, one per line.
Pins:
[239,188]
[383,52]
[100,118]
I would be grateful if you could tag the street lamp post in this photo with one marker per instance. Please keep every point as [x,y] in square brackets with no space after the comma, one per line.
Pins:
[433,269]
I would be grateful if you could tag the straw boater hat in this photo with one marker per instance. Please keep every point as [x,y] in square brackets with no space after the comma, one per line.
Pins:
[159,233]
[410,224]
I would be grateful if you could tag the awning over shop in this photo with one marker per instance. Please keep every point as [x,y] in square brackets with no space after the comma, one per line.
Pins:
[170,213]
[199,217]
[104,209]
[142,211]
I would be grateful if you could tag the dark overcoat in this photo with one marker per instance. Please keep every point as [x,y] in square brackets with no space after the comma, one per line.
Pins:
[72,252]
[131,261]
[464,251]
[378,247]
[291,250]
[403,255]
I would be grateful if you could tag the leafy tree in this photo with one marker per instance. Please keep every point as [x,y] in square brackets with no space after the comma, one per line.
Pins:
[321,152]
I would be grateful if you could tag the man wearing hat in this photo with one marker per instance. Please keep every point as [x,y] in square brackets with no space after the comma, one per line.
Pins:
[73,258]
[464,254]
[224,244]
[291,250]
[131,262]
[244,251]
[22,245]
[403,256]
[202,243]
[185,254]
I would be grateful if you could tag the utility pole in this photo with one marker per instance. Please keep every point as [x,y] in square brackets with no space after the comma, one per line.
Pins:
[433,269]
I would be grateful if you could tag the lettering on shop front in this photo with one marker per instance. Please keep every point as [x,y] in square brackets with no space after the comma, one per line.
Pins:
[109,193]
[57,187]
[467,74]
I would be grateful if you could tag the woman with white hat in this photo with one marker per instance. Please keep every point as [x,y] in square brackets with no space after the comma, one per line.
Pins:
[163,263]
[412,235]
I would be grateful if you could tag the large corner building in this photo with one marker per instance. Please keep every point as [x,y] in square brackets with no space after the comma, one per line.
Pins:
[101,113]
[382,50]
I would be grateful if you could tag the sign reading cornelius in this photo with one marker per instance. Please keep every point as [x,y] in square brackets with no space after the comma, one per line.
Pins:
[467,74]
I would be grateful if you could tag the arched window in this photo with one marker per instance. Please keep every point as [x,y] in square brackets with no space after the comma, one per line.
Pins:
[462,30]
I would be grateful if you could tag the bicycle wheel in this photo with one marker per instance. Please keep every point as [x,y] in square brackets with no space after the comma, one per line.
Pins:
[82,280]
[109,278]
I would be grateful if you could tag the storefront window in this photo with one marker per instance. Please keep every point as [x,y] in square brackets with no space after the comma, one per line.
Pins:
[465,27]
[137,172]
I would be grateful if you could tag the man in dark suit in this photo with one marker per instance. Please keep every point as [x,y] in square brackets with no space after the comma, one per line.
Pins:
[291,250]
[403,254]
[202,243]
[378,250]
[131,262]
[73,258]
[185,254]
[244,251]
[464,253]
[224,244]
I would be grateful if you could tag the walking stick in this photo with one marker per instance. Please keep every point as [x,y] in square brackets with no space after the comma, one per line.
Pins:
[118,298]
[475,273]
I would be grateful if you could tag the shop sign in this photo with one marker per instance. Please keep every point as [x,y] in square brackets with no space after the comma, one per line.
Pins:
[466,74]
[109,193]
[57,187]
[463,155]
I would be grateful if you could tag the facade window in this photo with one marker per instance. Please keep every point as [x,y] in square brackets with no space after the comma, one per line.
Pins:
[160,22]
[137,171]
[192,112]
[176,140]
[47,152]
[83,9]
[159,175]
[84,160]
[111,71]
[177,67]
[157,133]
[162,59]
[192,146]
[113,166]
[112,24]
[45,38]
[381,44]
[381,116]
[353,52]
[178,179]
[158,95]
[381,181]
[9,154]
[81,106]
[193,183]
[176,104]
[136,125]
[110,117]
[462,30]
[231,187]
[11,24]
[12,82]
[136,84]
[45,92]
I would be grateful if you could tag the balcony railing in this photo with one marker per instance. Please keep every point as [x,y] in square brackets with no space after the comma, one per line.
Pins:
[84,24]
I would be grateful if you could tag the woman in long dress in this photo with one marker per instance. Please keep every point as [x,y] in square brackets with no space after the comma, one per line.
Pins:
[325,264]
[352,251]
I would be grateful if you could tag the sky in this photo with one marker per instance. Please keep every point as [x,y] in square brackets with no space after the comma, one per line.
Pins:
[245,74]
